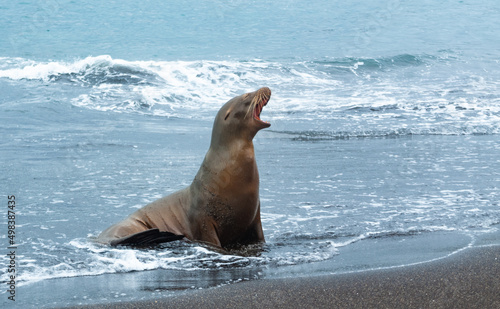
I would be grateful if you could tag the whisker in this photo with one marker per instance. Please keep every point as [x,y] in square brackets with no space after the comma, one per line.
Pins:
[254,103]
[257,99]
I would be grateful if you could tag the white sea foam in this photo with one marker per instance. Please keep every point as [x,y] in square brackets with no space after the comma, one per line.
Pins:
[376,104]
[83,258]
[27,69]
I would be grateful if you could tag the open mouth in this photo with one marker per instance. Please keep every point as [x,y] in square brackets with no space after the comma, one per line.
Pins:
[263,96]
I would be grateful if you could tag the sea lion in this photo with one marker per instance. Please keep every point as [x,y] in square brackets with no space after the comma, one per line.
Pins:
[221,207]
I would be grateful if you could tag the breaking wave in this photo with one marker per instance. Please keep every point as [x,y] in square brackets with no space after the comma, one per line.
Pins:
[367,97]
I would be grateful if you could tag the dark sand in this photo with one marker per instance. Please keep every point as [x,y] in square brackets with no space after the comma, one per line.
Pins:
[469,279]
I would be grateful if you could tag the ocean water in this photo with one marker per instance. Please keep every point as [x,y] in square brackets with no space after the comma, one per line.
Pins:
[383,150]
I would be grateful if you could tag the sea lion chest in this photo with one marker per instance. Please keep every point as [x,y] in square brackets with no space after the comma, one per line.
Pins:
[227,185]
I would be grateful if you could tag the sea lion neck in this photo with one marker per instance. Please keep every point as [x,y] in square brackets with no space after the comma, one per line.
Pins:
[229,150]
[237,137]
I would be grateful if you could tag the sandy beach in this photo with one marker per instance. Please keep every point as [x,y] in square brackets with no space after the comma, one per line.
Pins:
[468,279]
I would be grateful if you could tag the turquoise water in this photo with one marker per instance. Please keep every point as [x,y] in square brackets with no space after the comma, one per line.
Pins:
[383,149]
[242,30]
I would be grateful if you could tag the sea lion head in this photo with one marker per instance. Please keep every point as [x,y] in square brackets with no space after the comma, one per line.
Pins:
[239,118]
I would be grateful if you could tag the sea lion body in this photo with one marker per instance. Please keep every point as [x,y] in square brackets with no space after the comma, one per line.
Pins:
[221,207]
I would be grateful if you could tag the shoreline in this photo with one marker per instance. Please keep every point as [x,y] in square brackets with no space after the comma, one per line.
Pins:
[467,279]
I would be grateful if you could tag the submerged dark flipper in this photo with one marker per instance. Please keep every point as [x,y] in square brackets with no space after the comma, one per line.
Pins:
[146,238]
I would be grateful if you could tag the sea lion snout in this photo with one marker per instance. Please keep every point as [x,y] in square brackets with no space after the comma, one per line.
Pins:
[265,91]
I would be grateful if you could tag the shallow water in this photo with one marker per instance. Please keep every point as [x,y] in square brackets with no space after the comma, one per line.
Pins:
[383,149]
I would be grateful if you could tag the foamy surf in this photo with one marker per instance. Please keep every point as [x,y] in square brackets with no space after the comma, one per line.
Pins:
[392,93]
[85,258]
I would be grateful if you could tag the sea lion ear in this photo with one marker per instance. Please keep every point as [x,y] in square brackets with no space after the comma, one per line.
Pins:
[227,114]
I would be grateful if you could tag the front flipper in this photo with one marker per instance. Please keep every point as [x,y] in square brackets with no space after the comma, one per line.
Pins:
[146,238]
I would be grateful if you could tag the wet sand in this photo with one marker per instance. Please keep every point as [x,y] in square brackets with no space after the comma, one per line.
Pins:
[469,279]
